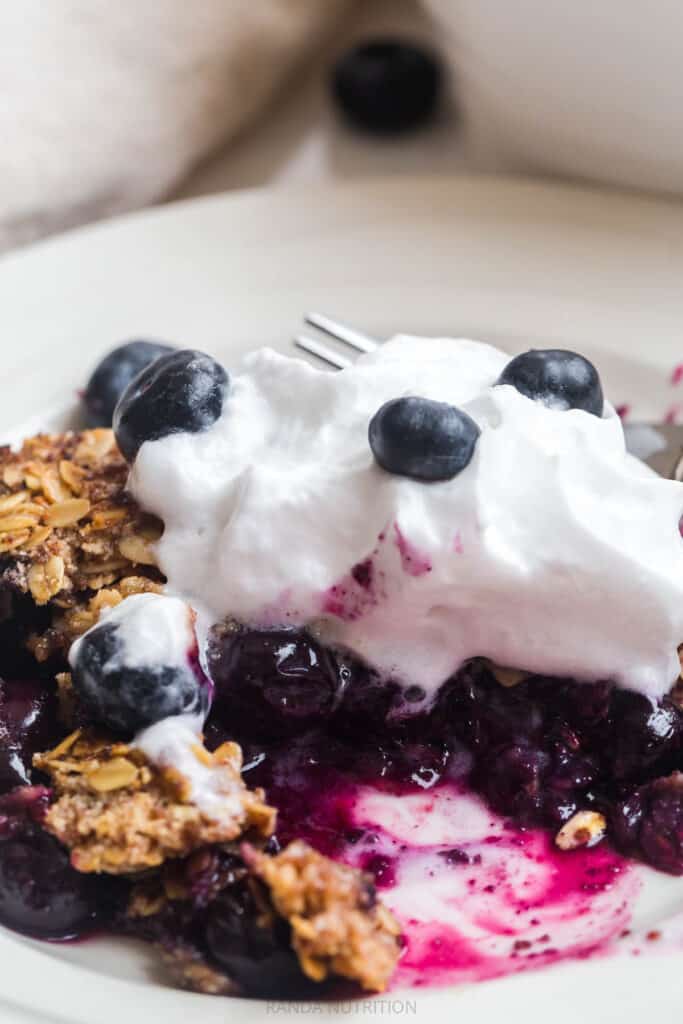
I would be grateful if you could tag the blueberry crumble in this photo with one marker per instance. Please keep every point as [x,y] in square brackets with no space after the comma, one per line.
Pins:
[269,604]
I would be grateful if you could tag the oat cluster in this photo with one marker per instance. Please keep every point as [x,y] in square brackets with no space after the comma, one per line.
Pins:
[120,814]
[338,925]
[68,529]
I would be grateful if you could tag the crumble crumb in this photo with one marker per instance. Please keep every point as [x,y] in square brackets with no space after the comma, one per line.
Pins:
[189,969]
[68,528]
[585,828]
[120,814]
[338,925]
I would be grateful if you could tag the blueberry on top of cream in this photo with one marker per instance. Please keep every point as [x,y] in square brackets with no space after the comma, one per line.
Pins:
[560,379]
[553,551]
[422,439]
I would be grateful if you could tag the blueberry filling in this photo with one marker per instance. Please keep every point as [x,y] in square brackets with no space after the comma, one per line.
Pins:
[182,392]
[40,893]
[19,618]
[538,751]
[253,946]
[310,722]
[559,379]
[274,682]
[648,823]
[28,725]
[226,920]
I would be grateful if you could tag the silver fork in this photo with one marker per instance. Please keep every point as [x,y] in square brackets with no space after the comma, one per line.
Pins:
[356,340]
[659,445]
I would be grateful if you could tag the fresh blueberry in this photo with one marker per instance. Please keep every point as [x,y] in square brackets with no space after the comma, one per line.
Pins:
[559,379]
[422,439]
[40,893]
[113,374]
[182,392]
[272,683]
[387,86]
[127,699]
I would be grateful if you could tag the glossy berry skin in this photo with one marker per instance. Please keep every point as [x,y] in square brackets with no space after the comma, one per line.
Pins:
[366,702]
[113,374]
[40,893]
[127,699]
[559,379]
[649,823]
[387,86]
[182,392]
[642,734]
[513,785]
[253,950]
[28,724]
[422,439]
[272,683]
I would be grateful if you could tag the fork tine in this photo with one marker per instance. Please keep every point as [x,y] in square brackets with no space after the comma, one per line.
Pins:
[355,339]
[328,355]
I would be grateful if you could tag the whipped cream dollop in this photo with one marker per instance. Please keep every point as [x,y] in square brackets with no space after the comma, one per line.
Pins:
[174,742]
[553,551]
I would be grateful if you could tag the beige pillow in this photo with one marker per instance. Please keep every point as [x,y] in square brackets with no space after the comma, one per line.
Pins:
[106,104]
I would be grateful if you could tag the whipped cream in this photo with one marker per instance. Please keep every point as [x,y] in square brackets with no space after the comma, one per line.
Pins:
[151,629]
[553,551]
[173,743]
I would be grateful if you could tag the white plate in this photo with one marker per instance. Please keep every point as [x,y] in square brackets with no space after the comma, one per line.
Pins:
[517,263]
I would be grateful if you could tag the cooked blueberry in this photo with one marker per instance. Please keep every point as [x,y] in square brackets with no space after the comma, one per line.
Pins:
[366,701]
[558,379]
[649,824]
[641,733]
[113,374]
[253,946]
[513,782]
[571,769]
[127,691]
[422,439]
[28,724]
[40,893]
[181,392]
[272,682]
[387,86]
[485,715]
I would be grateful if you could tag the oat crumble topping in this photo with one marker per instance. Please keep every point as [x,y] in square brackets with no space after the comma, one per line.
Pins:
[119,814]
[338,925]
[189,969]
[68,530]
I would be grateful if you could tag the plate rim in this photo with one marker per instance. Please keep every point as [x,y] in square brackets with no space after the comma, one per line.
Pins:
[663,211]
